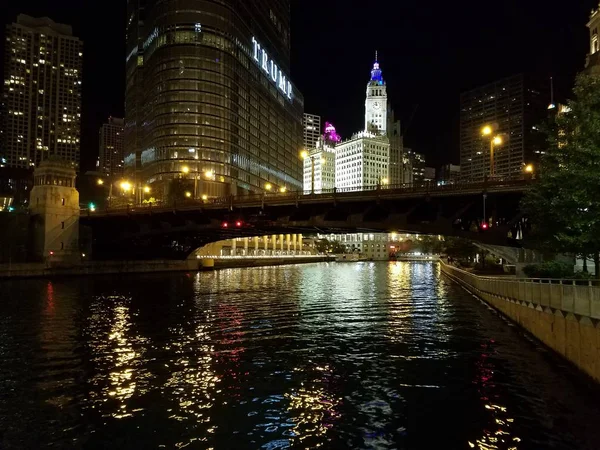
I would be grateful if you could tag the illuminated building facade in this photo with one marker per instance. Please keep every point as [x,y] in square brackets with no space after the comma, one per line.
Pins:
[592,65]
[363,161]
[319,170]
[42,93]
[111,147]
[514,107]
[209,99]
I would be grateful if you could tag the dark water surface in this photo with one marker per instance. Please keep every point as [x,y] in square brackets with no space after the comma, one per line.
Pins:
[355,355]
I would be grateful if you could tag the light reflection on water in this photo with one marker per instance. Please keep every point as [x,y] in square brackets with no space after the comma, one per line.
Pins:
[353,355]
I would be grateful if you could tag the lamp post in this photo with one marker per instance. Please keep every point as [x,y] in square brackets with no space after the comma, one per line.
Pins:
[494,142]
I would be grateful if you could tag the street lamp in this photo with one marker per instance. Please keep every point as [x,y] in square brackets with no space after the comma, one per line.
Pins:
[185,169]
[188,194]
[385,181]
[100,182]
[283,190]
[495,141]
[204,198]
[125,186]
[147,189]
[268,186]
[529,168]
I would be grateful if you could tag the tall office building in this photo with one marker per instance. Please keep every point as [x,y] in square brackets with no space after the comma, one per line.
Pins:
[394,134]
[362,162]
[111,147]
[312,130]
[417,163]
[42,93]
[209,96]
[514,107]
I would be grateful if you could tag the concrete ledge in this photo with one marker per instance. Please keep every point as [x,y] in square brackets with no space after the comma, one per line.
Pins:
[573,335]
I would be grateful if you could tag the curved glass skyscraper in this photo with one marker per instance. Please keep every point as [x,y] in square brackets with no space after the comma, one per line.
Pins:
[210,106]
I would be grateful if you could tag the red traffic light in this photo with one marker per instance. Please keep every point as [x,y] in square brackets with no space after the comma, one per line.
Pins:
[484,226]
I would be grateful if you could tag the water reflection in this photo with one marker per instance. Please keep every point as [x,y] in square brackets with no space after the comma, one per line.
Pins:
[356,355]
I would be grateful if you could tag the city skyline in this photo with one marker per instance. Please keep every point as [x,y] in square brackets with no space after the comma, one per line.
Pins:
[429,59]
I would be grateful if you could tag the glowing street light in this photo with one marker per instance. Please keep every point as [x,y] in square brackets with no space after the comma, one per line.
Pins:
[209,173]
[100,182]
[283,190]
[385,181]
[268,186]
[126,186]
[147,189]
[185,169]
[487,130]
[304,154]
[494,141]
[188,194]
[204,197]
[529,168]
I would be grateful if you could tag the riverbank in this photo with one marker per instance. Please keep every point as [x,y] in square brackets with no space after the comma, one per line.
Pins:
[562,315]
[89,268]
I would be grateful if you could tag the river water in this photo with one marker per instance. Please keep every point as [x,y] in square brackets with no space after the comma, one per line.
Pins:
[346,355]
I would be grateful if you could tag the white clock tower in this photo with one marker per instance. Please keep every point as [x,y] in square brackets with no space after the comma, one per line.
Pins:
[376,103]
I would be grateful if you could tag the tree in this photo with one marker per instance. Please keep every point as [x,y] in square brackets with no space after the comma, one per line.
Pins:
[459,248]
[564,206]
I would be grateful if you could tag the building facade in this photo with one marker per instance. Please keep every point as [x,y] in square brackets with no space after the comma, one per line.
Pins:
[362,162]
[514,108]
[41,93]
[592,65]
[417,164]
[312,130]
[111,147]
[319,170]
[394,133]
[376,103]
[209,99]
[449,174]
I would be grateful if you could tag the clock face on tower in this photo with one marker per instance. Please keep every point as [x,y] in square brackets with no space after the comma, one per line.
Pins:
[376,105]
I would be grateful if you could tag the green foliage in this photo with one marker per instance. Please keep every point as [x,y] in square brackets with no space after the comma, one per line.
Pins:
[327,246]
[564,206]
[549,269]
[459,248]
[428,245]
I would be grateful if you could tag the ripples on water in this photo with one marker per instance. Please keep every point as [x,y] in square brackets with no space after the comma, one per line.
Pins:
[365,355]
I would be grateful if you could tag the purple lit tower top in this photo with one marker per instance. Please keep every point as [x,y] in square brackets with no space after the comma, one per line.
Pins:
[376,73]
[331,137]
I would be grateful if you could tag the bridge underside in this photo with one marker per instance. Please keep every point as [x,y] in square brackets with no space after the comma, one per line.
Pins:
[176,234]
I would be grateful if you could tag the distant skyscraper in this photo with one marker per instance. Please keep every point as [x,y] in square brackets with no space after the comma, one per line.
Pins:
[593,59]
[209,100]
[514,107]
[312,130]
[111,147]
[417,162]
[42,92]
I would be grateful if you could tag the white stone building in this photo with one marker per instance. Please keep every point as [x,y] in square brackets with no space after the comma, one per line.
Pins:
[319,170]
[362,162]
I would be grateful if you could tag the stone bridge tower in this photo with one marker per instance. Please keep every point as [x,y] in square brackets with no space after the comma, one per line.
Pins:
[54,207]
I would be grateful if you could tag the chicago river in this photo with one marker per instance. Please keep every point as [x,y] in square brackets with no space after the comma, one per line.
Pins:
[329,355]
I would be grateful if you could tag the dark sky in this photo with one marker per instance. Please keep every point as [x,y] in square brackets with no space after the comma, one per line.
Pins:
[429,51]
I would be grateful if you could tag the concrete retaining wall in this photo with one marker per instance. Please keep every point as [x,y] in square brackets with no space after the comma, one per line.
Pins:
[563,316]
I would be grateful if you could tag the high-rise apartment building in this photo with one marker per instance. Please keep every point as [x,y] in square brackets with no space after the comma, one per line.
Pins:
[312,130]
[417,163]
[111,147]
[514,108]
[42,93]
[209,97]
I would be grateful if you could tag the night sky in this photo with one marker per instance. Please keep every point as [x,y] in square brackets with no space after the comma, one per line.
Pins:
[429,52]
